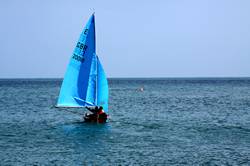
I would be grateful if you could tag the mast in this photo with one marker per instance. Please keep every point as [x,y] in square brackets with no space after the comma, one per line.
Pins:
[96,88]
[96,93]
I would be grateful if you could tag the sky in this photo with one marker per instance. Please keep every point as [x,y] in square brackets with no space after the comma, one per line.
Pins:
[135,38]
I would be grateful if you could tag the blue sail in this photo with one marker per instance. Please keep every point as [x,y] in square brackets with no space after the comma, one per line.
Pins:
[75,84]
[102,87]
[92,90]
[97,92]
[85,82]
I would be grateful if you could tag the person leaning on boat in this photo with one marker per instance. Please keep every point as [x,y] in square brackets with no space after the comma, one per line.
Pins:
[98,115]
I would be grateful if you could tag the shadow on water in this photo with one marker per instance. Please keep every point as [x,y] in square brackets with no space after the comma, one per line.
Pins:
[83,129]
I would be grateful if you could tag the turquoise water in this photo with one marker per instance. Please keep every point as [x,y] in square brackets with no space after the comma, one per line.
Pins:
[172,122]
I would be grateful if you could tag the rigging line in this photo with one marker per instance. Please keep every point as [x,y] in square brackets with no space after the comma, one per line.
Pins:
[73,112]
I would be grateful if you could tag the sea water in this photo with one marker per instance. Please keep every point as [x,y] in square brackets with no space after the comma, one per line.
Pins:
[152,122]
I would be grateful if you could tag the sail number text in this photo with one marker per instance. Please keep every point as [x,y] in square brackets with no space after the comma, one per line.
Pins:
[82,47]
[86,31]
[78,58]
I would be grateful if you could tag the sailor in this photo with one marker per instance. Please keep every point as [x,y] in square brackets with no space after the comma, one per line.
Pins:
[94,110]
[98,115]
[101,115]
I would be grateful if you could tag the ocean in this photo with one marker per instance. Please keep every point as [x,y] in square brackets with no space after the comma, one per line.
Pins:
[174,121]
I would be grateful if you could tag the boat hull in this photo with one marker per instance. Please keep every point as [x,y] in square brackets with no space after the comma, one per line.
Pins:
[94,118]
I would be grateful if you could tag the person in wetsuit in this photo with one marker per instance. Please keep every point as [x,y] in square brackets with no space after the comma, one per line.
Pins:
[98,115]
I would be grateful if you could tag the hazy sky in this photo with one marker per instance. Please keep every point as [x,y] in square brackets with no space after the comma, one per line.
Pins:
[143,38]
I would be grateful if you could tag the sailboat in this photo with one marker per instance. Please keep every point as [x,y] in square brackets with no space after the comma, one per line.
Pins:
[85,83]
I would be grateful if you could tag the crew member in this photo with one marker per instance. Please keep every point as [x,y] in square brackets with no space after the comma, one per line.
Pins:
[98,115]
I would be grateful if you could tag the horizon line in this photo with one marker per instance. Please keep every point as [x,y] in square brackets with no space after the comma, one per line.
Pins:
[186,77]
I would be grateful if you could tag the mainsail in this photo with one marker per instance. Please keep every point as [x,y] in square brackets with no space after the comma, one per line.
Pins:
[85,83]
